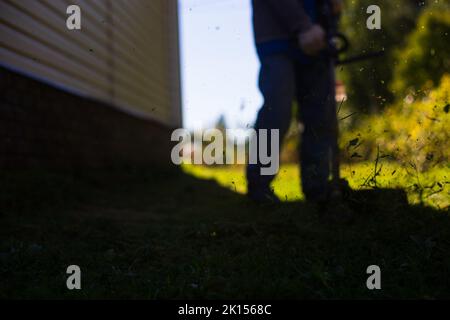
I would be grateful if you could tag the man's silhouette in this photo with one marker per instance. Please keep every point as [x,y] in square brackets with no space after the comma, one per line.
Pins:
[290,43]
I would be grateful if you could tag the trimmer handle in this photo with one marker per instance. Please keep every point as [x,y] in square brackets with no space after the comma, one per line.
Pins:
[338,43]
[343,40]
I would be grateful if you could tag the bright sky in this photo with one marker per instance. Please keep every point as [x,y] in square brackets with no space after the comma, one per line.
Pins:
[218,63]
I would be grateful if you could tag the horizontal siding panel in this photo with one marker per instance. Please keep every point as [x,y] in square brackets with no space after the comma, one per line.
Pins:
[53,18]
[93,36]
[124,54]
[53,41]
[18,43]
[125,98]
[61,78]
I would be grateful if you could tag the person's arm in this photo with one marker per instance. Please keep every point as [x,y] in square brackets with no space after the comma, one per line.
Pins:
[292,15]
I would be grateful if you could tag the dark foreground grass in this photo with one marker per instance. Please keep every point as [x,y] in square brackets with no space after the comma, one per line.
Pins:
[170,235]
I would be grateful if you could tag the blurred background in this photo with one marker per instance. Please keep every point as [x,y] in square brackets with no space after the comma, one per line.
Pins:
[393,108]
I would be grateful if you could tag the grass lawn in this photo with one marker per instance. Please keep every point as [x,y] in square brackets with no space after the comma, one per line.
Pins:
[431,188]
[182,235]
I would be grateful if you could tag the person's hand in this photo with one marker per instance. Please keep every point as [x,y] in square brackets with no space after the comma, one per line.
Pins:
[312,41]
[338,5]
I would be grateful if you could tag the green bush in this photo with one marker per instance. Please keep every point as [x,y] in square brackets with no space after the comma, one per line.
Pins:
[367,82]
[425,58]
[412,132]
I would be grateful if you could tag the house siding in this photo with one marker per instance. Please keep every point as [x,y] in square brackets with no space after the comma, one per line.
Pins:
[107,95]
[125,55]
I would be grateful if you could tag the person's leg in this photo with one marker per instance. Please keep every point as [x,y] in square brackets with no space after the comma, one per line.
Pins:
[316,96]
[277,85]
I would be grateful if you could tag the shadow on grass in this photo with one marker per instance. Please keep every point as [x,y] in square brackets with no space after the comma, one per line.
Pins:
[141,234]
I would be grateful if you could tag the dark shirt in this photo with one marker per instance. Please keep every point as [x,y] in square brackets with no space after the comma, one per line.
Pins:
[277,23]
[280,19]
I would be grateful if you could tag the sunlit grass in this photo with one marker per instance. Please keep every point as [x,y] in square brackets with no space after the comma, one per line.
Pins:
[431,187]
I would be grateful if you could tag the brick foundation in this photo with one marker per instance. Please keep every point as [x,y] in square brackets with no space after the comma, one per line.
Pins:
[44,127]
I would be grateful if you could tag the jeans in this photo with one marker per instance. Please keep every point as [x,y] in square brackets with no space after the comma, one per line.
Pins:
[281,80]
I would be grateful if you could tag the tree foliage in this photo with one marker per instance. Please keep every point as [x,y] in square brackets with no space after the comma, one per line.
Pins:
[425,58]
[367,82]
